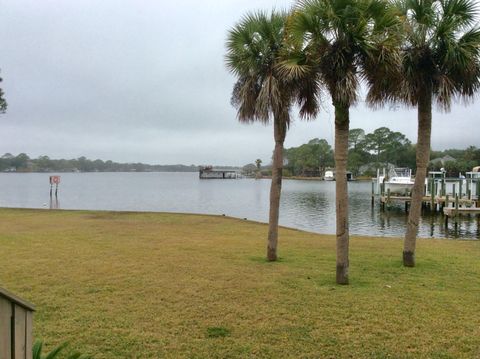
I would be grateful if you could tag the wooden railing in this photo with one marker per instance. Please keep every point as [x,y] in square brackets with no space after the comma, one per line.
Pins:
[16,322]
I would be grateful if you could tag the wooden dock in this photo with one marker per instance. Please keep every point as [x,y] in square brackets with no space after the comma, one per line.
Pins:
[454,212]
[440,202]
[452,197]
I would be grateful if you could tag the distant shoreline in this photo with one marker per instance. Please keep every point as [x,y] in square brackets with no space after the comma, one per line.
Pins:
[297,178]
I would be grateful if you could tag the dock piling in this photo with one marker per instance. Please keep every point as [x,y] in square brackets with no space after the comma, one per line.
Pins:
[456,208]
[432,196]
[373,194]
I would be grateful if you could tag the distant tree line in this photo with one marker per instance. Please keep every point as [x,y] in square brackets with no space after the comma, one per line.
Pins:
[463,160]
[310,159]
[367,152]
[23,163]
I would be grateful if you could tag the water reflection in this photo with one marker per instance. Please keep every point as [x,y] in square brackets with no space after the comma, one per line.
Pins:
[308,205]
[54,203]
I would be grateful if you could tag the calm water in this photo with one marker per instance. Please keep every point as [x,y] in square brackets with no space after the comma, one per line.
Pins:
[307,205]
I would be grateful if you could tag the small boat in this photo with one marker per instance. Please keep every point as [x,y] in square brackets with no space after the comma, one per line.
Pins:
[399,181]
[329,176]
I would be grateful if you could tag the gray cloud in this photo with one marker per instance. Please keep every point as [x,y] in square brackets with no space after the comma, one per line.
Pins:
[145,81]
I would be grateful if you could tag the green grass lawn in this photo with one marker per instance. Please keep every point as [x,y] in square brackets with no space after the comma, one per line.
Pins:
[145,285]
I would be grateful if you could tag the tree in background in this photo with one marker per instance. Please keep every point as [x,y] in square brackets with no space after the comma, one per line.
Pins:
[310,159]
[355,137]
[357,155]
[3,102]
[386,145]
[261,93]
[440,61]
[338,43]
[20,162]
[258,164]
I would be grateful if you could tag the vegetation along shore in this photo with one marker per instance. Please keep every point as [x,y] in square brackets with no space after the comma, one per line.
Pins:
[150,285]
[367,152]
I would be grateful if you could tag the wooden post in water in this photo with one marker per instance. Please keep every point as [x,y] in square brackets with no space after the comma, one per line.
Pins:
[54,180]
[432,196]
[382,195]
[388,198]
[446,200]
[453,190]
[460,185]
[443,189]
[456,208]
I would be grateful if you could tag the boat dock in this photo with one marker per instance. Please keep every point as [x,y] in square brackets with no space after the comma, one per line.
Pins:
[208,172]
[452,197]
[456,211]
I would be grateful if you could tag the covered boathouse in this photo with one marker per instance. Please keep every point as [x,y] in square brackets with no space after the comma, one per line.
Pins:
[208,172]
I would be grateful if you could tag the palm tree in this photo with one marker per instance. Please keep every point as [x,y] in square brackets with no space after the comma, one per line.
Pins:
[258,163]
[262,94]
[341,43]
[440,62]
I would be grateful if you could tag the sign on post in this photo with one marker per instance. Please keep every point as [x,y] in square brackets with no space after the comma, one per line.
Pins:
[54,180]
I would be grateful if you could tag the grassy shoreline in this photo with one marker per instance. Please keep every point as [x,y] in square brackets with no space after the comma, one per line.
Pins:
[148,285]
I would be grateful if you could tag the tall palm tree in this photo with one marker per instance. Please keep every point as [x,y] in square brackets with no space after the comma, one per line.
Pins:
[344,42]
[262,94]
[440,62]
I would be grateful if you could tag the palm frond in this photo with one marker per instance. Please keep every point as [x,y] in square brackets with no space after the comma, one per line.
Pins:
[254,48]
[441,51]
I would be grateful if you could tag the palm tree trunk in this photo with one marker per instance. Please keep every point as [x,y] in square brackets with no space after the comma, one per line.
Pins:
[423,155]
[341,155]
[279,130]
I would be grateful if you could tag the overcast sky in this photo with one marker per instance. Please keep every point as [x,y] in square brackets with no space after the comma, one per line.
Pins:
[145,81]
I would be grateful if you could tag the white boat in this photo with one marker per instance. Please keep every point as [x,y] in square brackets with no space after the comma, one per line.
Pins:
[329,176]
[399,181]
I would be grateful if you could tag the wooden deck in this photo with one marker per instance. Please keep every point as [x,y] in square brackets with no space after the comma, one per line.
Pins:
[452,211]
[441,201]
